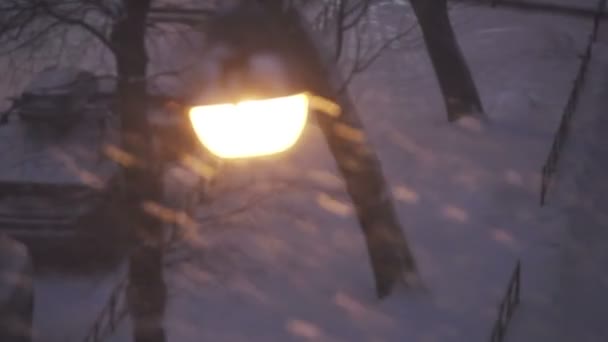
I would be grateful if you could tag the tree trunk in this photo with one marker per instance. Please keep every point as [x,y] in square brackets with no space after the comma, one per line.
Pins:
[146,294]
[390,256]
[455,80]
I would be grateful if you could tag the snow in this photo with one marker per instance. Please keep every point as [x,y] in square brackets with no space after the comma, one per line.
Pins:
[293,266]
[468,201]
[67,306]
[39,155]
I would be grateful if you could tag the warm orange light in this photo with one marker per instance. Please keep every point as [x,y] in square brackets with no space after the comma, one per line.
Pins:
[251,128]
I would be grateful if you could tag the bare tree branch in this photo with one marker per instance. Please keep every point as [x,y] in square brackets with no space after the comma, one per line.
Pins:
[33,39]
[67,19]
[373,56]
[362,7]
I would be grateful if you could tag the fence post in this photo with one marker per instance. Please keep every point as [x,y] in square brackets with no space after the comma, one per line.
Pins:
[507,305]
[563,130]
[543,185]
[517,282]
[596,20]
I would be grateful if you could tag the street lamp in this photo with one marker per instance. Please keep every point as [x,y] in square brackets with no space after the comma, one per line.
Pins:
[246,126]
[251,128]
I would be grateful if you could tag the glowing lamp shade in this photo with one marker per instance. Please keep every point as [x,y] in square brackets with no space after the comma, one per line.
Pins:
[251,128]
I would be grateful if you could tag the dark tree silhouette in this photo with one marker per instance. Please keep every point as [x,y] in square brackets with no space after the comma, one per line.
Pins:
[391,257]
[29,23]
[146,292]
[457,85]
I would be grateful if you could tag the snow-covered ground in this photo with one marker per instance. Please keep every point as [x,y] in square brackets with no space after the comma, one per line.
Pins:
[294,267]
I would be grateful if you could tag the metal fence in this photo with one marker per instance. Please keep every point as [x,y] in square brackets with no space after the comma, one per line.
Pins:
[562,133]
[114,311]
[507,306]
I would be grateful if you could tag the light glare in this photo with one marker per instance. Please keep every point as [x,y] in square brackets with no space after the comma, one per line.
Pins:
[251,128]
